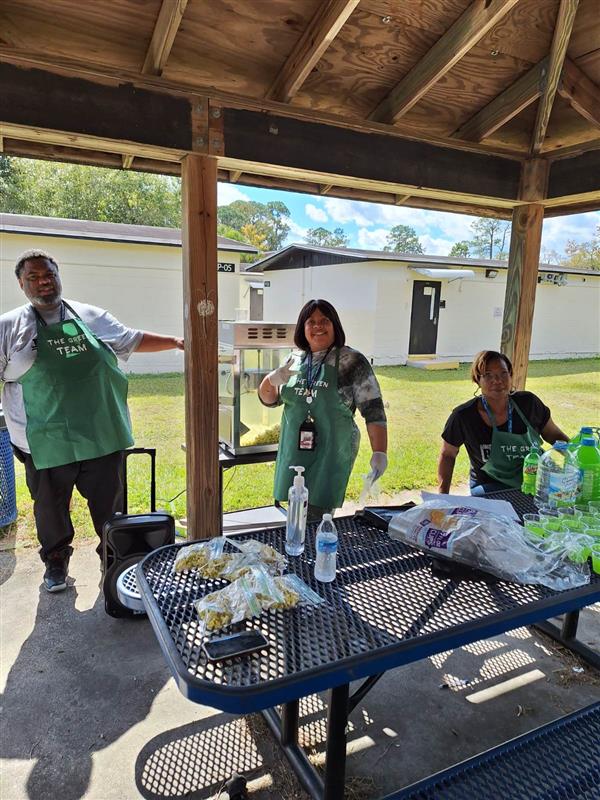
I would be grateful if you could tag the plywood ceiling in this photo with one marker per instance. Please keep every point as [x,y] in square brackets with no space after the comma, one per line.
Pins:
[239,49]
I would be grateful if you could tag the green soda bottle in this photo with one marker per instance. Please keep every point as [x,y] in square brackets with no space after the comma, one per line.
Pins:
[587,459]
[530,468]
[585,432]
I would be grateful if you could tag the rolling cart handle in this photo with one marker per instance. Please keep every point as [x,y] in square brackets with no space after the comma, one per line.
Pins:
[151,451]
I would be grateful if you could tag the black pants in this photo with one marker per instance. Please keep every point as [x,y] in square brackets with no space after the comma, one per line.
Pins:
[99,480]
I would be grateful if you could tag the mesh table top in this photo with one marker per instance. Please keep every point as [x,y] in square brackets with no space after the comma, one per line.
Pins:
[384,609]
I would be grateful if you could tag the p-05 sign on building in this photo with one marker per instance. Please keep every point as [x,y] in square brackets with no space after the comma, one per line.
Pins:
[225,266]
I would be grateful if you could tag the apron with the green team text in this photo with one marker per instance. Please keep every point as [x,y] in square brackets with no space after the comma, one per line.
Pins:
[328,466]
[509,449]
[75,396]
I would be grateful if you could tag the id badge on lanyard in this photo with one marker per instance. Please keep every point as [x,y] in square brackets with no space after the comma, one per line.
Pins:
[307,434]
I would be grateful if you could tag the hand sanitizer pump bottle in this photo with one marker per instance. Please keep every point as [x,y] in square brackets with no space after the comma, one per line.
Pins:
[296,515]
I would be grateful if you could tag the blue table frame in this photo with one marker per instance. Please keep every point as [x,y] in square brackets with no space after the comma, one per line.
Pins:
[385,609]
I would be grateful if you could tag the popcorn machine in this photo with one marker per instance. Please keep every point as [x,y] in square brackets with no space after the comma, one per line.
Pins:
[247,352]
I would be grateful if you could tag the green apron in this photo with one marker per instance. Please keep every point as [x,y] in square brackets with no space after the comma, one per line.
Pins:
[328,466]
[75,397]
[509,450]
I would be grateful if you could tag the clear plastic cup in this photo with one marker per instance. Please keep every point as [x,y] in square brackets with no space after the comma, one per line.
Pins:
[583,507]
[596,558]
[553,525]
[594,507]
[569,511]
[548,513]
[574,525]
[590,520]
[534,523]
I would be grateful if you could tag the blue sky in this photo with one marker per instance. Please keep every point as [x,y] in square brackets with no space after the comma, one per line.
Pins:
[367,224]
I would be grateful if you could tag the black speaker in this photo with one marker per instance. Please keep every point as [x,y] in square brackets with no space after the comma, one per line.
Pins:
[126,539]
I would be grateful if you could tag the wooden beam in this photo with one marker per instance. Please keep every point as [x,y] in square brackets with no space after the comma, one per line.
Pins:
[321,31]
[521,285]
[469,28]
[1,144]
[278,145]
[582,94]
[326,188]
[166,27]
[199,239]
[534,180]
[235,175]
[400,199]
[506,105]
[127,160]
[575,176]
[558,51]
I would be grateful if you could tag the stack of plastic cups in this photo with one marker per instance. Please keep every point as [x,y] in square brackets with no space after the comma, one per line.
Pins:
[8,495]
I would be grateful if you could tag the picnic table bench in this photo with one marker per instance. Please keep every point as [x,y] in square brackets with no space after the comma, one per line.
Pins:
[558,761]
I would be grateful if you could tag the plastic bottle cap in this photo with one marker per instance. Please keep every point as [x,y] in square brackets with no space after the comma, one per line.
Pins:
[327,517]
[560,445]
[589,442]
[586,429]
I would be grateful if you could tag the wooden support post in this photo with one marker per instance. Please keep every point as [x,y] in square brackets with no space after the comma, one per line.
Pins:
[199,235]
[521,285]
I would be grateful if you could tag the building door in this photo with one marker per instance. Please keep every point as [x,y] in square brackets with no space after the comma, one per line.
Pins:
[256,304]
[424,317]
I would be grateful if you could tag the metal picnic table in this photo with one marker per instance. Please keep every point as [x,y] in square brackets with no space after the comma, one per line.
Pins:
[385,609]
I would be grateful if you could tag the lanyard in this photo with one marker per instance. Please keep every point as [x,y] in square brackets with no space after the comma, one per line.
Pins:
[43,321]
[491,416]
[311,375]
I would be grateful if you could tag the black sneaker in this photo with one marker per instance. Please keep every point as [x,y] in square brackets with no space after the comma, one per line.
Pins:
[57,568]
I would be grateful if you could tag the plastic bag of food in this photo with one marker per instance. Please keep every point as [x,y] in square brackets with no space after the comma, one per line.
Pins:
[207,557]
[261,553]
[494,544]
[250,595]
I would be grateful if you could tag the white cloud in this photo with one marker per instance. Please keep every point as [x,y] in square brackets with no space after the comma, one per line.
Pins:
[315,213]
[579,227]
[298,231]
[433,246]
[349,211]
[228,193]
[372,240]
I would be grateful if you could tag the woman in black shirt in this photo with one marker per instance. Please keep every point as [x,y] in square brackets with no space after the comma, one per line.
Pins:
[497,428]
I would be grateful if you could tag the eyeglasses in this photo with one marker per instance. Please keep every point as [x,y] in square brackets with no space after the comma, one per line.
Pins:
[495,376]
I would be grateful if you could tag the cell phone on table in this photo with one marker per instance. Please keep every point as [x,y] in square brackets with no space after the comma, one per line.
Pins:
[236,644]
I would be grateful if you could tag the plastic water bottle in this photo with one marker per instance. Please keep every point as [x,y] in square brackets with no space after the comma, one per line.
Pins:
[587,459]
[295,529]
[326,545]
[530,468]
[557,481]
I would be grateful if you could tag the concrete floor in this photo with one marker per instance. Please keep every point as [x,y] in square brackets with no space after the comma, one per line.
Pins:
[89,709]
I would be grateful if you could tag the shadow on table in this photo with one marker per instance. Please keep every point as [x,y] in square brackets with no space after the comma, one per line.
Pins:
[81,680]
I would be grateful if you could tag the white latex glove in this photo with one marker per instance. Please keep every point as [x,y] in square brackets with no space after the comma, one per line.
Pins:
[281,375]
[379,464]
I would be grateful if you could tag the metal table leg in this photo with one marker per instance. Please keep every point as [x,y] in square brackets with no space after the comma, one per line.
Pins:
[285,730]
[567,636]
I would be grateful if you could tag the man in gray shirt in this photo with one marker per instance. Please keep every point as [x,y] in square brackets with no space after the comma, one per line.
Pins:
[65,403]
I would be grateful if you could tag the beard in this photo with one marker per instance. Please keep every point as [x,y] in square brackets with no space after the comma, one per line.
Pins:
[47,300]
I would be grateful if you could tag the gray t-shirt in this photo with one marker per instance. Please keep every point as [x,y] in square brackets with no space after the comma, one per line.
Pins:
[18,331]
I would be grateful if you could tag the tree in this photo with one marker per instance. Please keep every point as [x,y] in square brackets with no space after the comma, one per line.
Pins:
[321,237]
[403,239]
[583,255]
[52,189]
[491,237]
[460,250]
[267,221]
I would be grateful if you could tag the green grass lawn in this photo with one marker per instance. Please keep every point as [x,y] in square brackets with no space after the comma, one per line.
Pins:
[417,403]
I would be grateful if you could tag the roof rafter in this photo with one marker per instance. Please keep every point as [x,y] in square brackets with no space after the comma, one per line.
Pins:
[582,94]
[469,28]
[562,33]
[524,91]
[321,31]
[166,27]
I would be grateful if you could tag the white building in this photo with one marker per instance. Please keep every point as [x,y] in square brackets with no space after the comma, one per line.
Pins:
[393,306]
[134,271]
